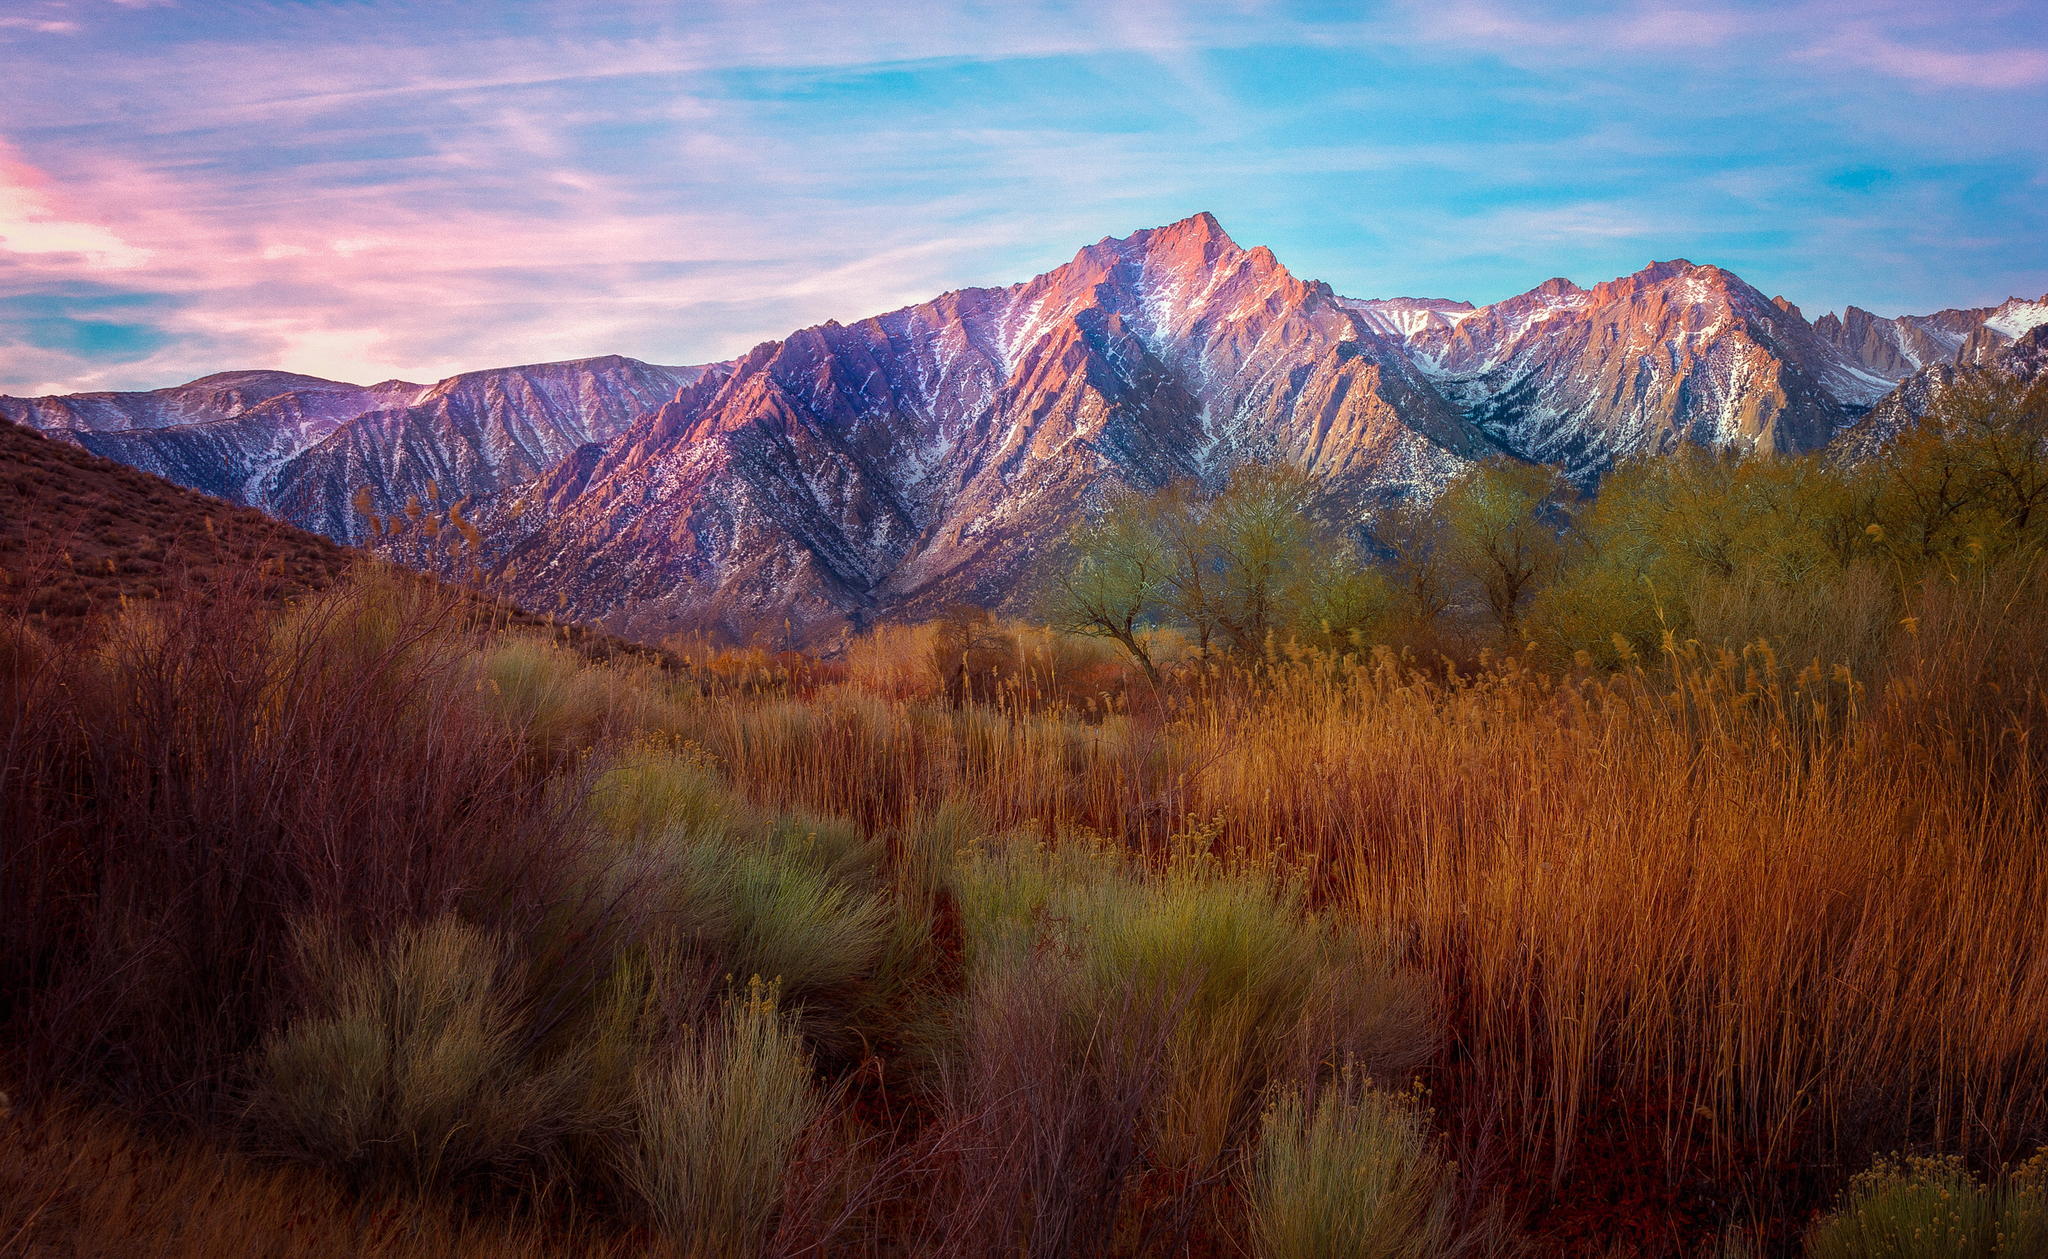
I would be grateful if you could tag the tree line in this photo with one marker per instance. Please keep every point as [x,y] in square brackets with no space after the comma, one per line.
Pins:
[1812,552]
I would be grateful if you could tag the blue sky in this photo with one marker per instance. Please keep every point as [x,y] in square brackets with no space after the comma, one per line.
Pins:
[364,189]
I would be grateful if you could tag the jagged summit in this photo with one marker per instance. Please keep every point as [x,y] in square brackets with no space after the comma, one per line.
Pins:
[2017,316]
[1199,230]
[937,453]
[1895,347]
[925,455]
[1674,352]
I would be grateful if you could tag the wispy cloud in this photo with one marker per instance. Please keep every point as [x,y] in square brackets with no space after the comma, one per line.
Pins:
[1636,27]
[33,226]
[40,26]
[1994,69]
[413,189]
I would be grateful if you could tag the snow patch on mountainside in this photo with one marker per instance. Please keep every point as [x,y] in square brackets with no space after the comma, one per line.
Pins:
[2016,318]
[1403,317]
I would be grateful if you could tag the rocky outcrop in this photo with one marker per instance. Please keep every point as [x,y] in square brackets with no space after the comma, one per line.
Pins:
[1899,346]
[318,452]
[2024,358]
[472,435]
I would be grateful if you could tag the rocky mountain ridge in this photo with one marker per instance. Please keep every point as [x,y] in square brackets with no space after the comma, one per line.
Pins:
[937,454]
[931,455]
[324,454]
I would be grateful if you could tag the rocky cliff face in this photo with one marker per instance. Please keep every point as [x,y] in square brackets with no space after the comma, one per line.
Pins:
[1898,347]
[201,401]
[468,436]
[1674,353]
[318,452]
[939,453]
[933,455]
[2023,358]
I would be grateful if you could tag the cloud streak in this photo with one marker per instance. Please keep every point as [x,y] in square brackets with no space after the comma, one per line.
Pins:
[411,190]
[1990,70]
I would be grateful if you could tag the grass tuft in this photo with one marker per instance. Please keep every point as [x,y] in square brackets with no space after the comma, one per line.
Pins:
[1355,1172]
[715,1125]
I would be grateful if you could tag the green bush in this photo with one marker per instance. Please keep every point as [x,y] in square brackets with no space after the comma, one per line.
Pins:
[408,1061]
[1354,1174]
[557,699]
[795,900]
[834,847]
[1924,1208]
[932,845]
[794,924]
[714,1128]
[1257,985]
[655,790]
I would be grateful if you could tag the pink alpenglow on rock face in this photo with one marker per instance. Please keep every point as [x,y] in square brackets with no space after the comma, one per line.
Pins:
[937,454]
[932,455]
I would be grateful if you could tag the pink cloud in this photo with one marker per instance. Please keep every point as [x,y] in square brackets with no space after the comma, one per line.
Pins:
[40,26]
[1518,28]
[35,224]
[368,285]
[2001,68]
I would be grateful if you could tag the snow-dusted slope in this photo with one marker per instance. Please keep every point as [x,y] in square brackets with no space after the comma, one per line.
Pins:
[1674,353]
[2023,358]
[215,397]
[934,454]
[303,448]
[1897,347]
[1405,317]
[474,434]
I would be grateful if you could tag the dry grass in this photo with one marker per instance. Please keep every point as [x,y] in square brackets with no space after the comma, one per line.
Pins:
[79,1186]
[1676,947]
[1715,924]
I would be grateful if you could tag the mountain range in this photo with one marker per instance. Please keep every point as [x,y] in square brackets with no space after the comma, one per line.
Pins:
[937,454]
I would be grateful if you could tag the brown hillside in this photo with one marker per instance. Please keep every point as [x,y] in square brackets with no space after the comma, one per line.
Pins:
[79,533]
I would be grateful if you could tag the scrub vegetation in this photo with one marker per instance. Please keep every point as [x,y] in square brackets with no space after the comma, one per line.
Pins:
[1650,872]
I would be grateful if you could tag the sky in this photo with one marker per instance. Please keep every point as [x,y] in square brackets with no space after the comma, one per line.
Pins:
[365,189]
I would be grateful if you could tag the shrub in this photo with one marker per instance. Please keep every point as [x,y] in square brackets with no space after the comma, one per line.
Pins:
[715,1125]
[211,773]
[657,789]
[561,703]
[931,845]
[795,900]
[1921,1208]
[1355,1173]
[408,1060]
[1238,955]
[1045,1105]
[833,847]
[795,925]
[971,657]
[2023,1211]
[1257,985]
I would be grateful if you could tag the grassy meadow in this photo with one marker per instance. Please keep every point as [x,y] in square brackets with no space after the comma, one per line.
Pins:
[1684,899]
